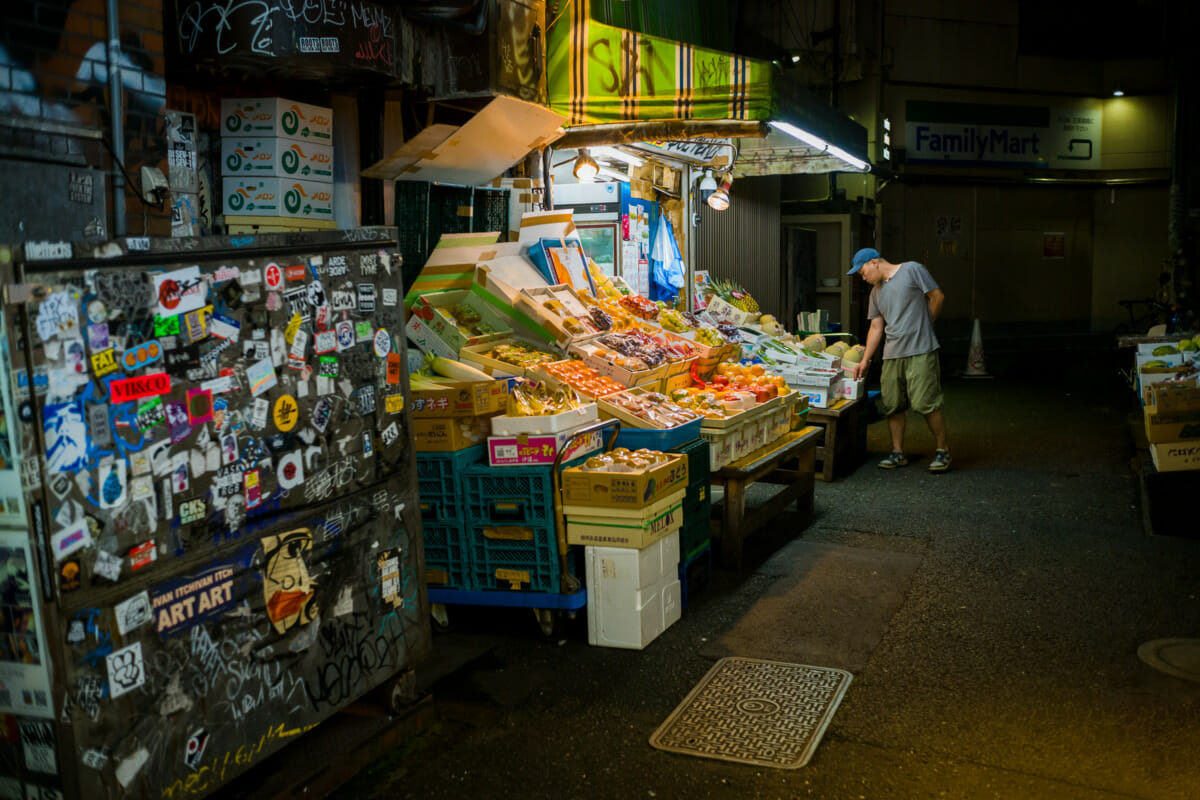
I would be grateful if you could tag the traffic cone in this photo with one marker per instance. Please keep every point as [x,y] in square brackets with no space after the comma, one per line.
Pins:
[976,364]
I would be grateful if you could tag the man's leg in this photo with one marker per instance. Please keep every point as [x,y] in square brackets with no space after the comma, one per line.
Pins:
[896,428]
[937,426]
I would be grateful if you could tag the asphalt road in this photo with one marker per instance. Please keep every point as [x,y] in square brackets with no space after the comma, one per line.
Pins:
[990,617]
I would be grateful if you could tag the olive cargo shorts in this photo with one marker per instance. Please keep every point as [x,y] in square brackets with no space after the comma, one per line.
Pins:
[912,382]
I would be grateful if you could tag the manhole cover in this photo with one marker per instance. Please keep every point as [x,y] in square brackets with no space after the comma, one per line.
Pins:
[755,712]
[1177,657]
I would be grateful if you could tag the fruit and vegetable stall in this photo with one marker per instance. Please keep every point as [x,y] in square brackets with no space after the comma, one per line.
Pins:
[569,431]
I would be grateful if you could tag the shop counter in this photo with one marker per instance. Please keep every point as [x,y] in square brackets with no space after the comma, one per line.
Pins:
[765,465]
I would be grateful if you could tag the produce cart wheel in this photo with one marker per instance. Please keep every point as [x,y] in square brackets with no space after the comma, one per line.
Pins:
[548,619]
[441,617]
[402,692]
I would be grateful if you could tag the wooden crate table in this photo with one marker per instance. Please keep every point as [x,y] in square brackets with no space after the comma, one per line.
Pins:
[765,466]
[843,426]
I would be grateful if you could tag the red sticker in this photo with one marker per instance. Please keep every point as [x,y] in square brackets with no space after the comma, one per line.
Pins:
[152,385]
[273,275]
[393,368]
[295,273]
[142,555]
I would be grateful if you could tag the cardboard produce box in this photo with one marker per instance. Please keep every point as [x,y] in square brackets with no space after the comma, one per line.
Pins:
[276,116]
[476,398]
[1175,456]
[625,489]
[1171,426]
[272,157]
[526,449]
[426,308]
[447,434]
[633,528]
[277,197]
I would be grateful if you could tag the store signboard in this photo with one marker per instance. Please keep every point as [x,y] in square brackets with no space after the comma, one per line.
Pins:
[1064,136]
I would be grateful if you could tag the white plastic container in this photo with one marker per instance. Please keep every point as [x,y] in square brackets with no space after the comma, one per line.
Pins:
[504,425]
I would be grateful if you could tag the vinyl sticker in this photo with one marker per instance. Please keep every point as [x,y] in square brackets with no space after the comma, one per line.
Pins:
[368,444]
[57,314]
[393,368]
[389,577]
[322,317]
[192,511]
[150,414]
[126,671]
[229,449]
[296,273]
[366,298]
[390,434]
[383,343]
[142,355]
[143,555]
[286,413]
[325,342]
[224,327]
[113,485]
[394,404]
[316,294]
[299,346]
[345,335]
[258,417]
[98,336]
[179,477]
[98,425]
[343,301]
[199,406]
[195,325]
[133,613]
[321,414]
[179,291]
[363,331]
[273,276]
[71,540]
[328,367]
[104,363]
[66,436]
[166,326]
[290,471]
[107,566]
[193,753]
[389,297]
[293,325]
[261,376]
[68,575]
[253,489]
[127,389]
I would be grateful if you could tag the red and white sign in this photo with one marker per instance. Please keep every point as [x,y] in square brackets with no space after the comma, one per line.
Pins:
[273,276]
[295,273]
[325,342]
[179,291]
[152,385]
[143,555]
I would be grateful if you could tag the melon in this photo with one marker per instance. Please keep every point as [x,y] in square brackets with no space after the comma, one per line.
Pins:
[854,354]
[1188,344]
[836,349]
[814,342]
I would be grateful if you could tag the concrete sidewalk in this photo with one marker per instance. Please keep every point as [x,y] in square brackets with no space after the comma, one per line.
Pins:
[991,617]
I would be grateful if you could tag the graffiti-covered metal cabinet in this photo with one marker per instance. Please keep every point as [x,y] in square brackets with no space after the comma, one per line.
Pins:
[219,483]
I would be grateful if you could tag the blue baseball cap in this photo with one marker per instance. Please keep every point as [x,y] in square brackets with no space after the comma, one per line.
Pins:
[862,257]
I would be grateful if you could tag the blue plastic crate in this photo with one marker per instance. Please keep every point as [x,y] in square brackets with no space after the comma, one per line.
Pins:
[447,558]
[511,495]
[695,573]
[439,483]
[658,439]
[514,557]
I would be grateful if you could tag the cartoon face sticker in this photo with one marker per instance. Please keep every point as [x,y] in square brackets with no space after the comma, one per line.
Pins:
[287,587]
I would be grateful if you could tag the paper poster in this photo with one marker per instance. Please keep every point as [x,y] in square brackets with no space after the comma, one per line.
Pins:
[57,314]
[24,673]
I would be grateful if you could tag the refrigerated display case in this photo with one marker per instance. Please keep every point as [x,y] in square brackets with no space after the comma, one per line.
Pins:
[216,505]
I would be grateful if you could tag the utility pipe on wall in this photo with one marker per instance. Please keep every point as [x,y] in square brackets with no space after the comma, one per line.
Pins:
[116,113]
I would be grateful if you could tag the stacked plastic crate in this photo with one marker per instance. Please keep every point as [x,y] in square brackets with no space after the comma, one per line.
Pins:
[443,517]
[694,538]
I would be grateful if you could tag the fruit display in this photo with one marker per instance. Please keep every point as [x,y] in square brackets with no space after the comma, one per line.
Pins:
[639,351]
[519,355]
[673,320]
[709,337]
[751,378]
[622,319]
[654,409]
[770,325]
[622,459]
[735,295]
[465,318]
[708,403]
[536,399]
[640,306]
[582,378]
[854,354]
[603,283]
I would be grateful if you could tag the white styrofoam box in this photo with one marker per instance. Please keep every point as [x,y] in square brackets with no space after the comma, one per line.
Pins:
[275,116]
[852,389]
[272,157]
[504,425]
[822,387]
[632,620]
[624,569]
[276,197]
[426,340]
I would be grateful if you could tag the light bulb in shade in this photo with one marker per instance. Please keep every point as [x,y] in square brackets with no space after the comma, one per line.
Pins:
[1118,92]
[719,200]
[586,167]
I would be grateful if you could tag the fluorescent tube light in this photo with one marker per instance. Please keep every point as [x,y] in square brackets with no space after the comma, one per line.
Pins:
[820,144]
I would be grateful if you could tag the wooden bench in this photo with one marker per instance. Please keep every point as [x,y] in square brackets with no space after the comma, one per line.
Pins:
[765,465]
[843,426]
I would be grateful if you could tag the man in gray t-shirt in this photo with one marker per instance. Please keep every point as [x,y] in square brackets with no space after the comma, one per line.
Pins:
[905,302]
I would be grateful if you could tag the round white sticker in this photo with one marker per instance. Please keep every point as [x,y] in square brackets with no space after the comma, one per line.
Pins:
[383,343]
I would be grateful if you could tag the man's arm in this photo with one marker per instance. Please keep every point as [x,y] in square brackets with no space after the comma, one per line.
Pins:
[936,298]
[874,338]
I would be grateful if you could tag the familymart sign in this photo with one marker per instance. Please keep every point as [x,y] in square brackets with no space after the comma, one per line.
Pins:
[977,134]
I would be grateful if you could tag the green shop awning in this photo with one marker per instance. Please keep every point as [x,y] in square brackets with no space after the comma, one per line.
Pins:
[617,86]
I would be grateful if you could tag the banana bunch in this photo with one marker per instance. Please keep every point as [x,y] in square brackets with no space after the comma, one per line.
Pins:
[536,399]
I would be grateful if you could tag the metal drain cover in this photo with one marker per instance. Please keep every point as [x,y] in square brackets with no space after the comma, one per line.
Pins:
[1176,657]
[751,711]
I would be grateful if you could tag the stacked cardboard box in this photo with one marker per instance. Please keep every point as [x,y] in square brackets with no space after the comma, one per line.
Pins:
[277,160]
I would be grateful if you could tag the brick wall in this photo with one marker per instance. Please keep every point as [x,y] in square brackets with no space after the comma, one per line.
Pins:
[54,66]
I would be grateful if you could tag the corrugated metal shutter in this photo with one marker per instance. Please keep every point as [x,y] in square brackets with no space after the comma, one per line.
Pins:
[741,243]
